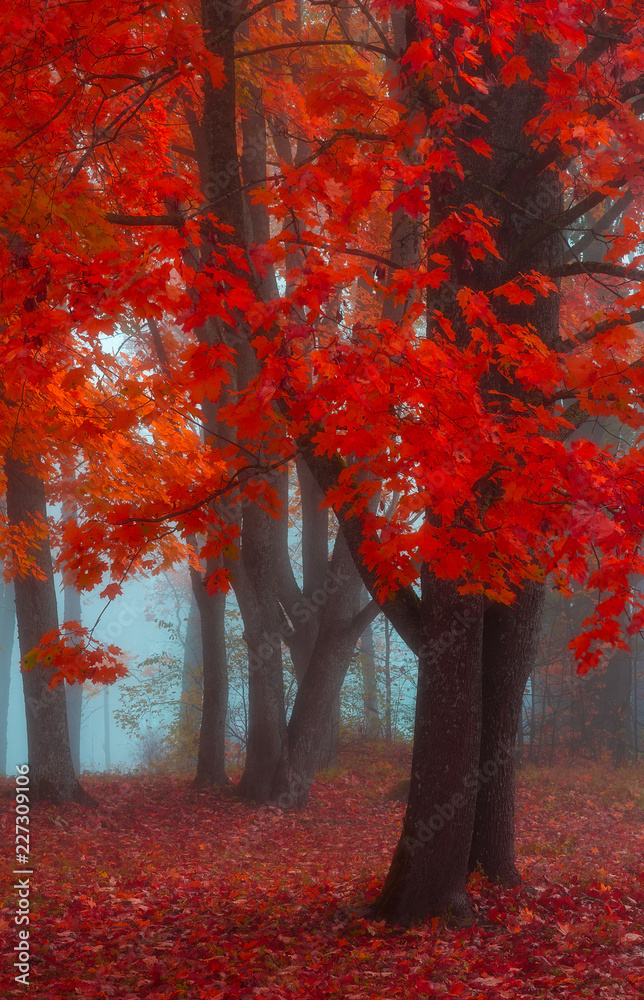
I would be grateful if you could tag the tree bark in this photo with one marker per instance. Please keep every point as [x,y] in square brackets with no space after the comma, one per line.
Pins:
[191,689]
[429,871]
[615,716]
[73,692]
[341,624]
[211,754]
[265,626]
[51,769]
[370,685]
[7,629]
[510,643]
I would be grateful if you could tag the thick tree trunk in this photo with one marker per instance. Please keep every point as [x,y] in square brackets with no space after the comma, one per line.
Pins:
[429,870]
[211,755]
[7,629]
[73,692]
[265,626]
[51,769]
[510,643]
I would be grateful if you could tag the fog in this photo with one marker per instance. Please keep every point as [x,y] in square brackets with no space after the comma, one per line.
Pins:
[130,622]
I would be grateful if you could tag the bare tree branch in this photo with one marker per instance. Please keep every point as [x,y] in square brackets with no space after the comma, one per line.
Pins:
[246,54]
[596,267]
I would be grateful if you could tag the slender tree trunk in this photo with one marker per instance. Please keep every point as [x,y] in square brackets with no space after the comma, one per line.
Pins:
[7,629]
[342,623]
[429,870]
[636,718]
[107,728]
[73,692]
[51,769]
[510,643]
[616,715]
[191,689]
[533,718]
[388,712]
[211,755]
[369,681]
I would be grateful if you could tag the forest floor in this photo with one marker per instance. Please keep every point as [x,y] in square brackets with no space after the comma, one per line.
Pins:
[164,892]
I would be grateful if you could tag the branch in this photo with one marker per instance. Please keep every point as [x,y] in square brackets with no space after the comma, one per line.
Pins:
[49,121]
[246,53]
[609,217]
[552,151]
[637,316]
[378,29]
[239,20]
[365,617]
[557,223]
[403,609]
[596,267]
[577,416]
[110,132]
[159,346]
[176,219]
[352,253]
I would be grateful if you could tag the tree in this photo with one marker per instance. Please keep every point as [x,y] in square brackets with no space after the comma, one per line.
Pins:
[189,719]
[73,692]
[7,629]
[211,754]
[442,364]
[442,829]
[51,770]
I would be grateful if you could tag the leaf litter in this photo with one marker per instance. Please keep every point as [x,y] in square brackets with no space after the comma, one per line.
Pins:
[166,892]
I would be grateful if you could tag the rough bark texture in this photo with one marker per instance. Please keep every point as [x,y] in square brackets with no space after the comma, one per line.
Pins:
[264,625]
[73,692]
[510,644]
[7,629]
[51,769]
[429,870]
[216,146]
[211,755]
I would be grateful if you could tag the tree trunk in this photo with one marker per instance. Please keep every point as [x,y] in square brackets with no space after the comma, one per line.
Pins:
[51,769]
[7,629]
[510,643]
[616,717]
[429,870]
[328,755]
[369,681]
[211,755]
[341,624]
[191,689]
[265,626]
[388,708]
[73,692]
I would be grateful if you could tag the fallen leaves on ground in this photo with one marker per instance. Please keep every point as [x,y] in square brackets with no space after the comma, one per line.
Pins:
[166,892]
